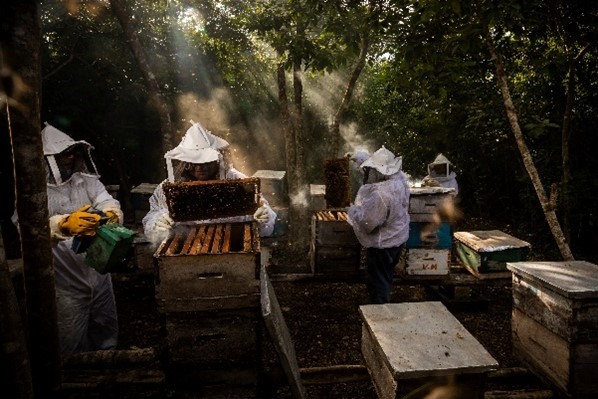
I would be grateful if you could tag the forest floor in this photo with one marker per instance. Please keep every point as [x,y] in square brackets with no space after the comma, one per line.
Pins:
[323,319]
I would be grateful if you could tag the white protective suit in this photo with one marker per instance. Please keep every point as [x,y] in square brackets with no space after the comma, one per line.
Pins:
[198,146]
[447,181]
[380,215]
[87,318]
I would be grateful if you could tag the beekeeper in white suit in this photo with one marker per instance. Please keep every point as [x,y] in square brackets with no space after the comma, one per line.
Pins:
[87,318]
[200,156]
[380,220]
[441,174]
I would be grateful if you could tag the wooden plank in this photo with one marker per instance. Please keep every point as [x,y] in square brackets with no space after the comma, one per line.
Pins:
[207,240]
[217,239]
[226,243]
[247,238]
[382,378]
[174,244]
[280,334]
[188,241]
[198,240]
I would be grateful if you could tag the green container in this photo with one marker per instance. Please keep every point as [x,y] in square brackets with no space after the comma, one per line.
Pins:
[109,248]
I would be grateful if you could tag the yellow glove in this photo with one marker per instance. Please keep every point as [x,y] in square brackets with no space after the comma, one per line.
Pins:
[80,223]
[112,217]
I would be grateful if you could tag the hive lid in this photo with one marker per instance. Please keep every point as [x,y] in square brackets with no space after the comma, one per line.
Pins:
[574,279]
[213,199]
[270,174]
[430,190]
[489,240]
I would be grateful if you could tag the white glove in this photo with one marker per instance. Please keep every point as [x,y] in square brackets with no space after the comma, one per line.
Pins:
[164,223]
[261,215]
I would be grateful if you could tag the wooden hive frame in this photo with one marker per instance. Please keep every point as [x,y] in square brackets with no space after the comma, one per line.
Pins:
[212,199]
[337,174]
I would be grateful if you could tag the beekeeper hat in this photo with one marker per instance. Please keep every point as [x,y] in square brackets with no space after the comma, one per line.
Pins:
[384,162]
[55,141]
[195,147]
[216,142]
[441,159]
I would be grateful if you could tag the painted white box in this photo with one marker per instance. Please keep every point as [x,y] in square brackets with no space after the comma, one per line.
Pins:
[426,262]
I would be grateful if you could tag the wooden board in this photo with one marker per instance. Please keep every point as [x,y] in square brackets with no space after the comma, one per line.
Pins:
[489,240]
[277,327]
[427,262]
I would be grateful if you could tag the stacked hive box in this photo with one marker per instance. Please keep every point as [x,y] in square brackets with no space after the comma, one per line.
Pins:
[140,196]
[334,246]
[208,293]
[208,288]
[430,233]
[555,322]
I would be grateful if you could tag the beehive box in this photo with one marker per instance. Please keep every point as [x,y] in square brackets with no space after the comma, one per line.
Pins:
[273,185]
[485,253]
[317,194]
[203,200]
[430,235]
[421,345]
[213,339]
[208,267]
[337,175]
[427,204]
[334,247]
[421,262]
[555,323]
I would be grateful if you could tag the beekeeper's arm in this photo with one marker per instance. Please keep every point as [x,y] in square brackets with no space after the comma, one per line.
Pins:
[370,210]
[157,220]
[103,201]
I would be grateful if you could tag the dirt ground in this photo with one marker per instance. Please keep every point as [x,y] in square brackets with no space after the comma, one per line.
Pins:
[324,323]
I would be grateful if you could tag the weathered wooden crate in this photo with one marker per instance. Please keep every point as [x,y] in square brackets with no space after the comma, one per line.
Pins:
[273,185]
[317,193]
[427,204]
[207,267]
[408,345]
[430,235]
[555,323]
[421,262]
[213,340]
[485,253]
[334,246]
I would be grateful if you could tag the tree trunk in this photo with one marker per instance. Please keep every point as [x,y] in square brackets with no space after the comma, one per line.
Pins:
[565,137]
[298,123]
[335,125]
[15,370]
[22,53]
[547,206]
[289,139]
[119,8]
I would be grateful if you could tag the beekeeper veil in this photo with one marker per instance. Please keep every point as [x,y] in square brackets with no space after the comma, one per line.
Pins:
[196,147]
[440,168]
[56,142]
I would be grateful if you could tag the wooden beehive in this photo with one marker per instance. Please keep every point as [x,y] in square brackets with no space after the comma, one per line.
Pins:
[426,203]
[485,253]
[334,246]
[421,345]
[555,323]
[140,196]
[317,194]
[430,235]
[424,262]
[273,186]
[209,267]
[213,340]
[337,176]
[213,199]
